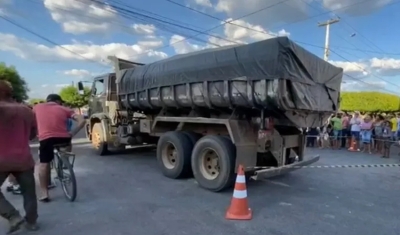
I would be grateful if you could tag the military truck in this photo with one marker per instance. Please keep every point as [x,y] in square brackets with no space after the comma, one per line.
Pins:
[210,111]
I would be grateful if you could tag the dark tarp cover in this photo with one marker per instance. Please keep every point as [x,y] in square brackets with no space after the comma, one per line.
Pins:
[276,58]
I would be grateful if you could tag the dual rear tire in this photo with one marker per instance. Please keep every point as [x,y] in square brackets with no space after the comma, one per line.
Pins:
[210,159]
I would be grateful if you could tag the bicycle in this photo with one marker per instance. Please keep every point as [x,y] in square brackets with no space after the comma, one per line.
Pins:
[61,163]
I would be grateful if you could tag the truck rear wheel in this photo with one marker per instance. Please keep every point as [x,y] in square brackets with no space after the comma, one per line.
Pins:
[174,151]
[99,145]
[193,136]
[213,163]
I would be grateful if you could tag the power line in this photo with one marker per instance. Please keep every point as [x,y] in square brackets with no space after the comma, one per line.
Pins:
[360,34]
[134,14]
[162,24]
[357,65]
[264,32]
[56,44]
[48,40]
[215,27]
[364,70]
[328,12]
[241,26]
[348,24]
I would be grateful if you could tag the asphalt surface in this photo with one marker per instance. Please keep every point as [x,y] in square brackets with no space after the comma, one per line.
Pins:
[126,194]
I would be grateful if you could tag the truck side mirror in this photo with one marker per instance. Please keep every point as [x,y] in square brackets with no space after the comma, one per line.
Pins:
[80,88]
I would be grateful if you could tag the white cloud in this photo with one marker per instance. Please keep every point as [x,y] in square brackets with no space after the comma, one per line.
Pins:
[182,46]
[204,3]
[44,90]
[151,44]
[78,73]
[62,85]
[368,75]
[281,11]
[235,32]
[246,32]
[359,9]
[83,16]
[351,85]
[373,67]
[148,29]
[386,66]
[354,69]
[3,5]
[292,10]
[39,52]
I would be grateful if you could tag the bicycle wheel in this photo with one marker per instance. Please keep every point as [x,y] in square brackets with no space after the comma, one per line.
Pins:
[67,178]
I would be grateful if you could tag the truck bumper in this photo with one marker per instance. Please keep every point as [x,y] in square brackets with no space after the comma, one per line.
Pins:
[275,171]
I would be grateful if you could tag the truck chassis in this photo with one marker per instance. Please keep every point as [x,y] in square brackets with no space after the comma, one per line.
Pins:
[209,147]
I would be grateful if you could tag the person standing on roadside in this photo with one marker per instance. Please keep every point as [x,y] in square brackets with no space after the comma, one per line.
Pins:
[378,129]
[387,136]
[393,123]
[398,126]
[17,128]
[355,129]
[345,130]
[337,130]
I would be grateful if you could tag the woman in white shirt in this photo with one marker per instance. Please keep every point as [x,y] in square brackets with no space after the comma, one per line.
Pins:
[355,129]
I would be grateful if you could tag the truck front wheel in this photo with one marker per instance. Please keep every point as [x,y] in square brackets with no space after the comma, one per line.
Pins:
[173,154]
[99,145]
[213,163]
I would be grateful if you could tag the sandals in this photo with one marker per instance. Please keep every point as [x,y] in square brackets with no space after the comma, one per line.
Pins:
[44,199]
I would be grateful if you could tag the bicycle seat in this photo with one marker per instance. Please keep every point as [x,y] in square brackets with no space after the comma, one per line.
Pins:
[61,145]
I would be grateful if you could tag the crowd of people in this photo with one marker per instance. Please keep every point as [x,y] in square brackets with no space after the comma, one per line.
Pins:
[372,133]
[49,122]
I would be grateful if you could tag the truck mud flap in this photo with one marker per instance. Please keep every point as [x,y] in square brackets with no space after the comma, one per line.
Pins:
[275,171]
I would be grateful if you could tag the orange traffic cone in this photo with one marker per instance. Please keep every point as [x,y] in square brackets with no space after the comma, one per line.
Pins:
[239,208]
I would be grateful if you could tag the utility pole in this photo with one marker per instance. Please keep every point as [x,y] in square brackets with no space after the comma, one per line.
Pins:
[327,24]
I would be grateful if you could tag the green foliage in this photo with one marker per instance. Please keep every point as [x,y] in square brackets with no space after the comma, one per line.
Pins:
[10,74]
[71,96]
[369,102]
[36,101]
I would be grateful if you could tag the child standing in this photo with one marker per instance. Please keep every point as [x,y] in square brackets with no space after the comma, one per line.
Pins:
[324,136]
[366,134]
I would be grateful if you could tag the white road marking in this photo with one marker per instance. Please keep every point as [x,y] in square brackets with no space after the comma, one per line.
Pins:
[277,183]
[285,204]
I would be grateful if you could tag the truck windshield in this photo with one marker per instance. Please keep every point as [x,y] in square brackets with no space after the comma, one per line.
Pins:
[98,87]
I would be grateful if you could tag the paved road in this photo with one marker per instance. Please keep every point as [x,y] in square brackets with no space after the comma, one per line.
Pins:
[126,194]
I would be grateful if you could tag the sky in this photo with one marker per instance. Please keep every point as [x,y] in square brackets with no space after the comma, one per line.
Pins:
[54,43]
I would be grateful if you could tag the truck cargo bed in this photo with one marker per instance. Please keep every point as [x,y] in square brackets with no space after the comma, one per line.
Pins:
[274,74]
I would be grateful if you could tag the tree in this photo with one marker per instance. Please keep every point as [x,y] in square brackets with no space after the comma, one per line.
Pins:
[71,96]
[20,88]
[369,102]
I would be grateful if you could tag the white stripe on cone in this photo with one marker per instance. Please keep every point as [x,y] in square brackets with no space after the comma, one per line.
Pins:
[239,194]
[240,179]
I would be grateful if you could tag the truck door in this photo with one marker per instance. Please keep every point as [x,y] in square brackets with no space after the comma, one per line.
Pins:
[98,97]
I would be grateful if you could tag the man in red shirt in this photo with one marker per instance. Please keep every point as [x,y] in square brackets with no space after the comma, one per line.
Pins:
[52,119]
[17,128]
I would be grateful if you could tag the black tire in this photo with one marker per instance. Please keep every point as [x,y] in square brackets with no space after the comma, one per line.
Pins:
[193,136]
[102,148]
[227,162]
[64,164]
[183,146]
